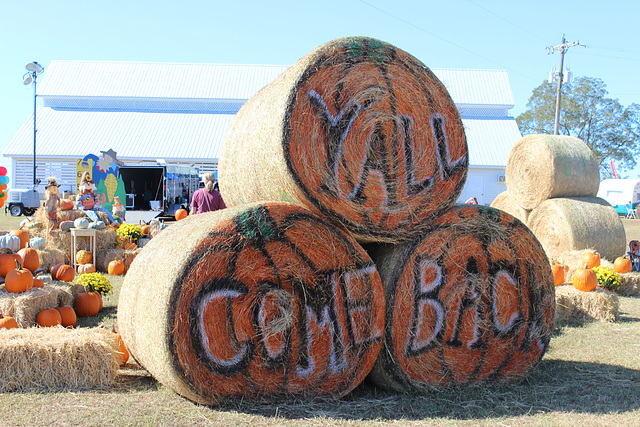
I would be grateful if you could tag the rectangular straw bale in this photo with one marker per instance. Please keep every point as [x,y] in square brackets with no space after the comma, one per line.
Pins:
[24,307]
[578,307]
[56,358]
[52,256]
[125,255]
[630,284]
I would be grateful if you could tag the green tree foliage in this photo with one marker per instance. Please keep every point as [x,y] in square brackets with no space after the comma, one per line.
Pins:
[610,130]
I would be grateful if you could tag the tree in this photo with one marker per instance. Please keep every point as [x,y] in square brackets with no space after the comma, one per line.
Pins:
[610,130]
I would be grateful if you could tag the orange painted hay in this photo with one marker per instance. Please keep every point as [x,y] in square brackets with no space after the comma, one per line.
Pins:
[260,302]
[574,223]
[542,167]
[577,307]
[471,301]
[505,202]
[358,131]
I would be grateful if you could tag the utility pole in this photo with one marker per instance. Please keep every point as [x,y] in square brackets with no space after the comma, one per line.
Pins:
[562,48]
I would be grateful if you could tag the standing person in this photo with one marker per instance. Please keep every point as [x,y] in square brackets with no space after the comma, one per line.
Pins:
[207,199]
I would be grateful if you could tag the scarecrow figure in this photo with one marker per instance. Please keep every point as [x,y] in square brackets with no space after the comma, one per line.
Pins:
[87,200]
[118,209]
[52,202]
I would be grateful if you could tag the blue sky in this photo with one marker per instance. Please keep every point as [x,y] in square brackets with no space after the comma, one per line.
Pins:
[483,34]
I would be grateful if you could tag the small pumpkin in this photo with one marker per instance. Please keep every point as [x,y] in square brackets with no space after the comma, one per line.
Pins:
[66,225]
[11,242]
[53,269]
[30,258]
[86,268]
[130,246]
[65,273]
[115,267]
[23,235]
[145,229]
[18,280]
[37,243]
[123,353]
[66,205]
[48,317]
[8,322]
[38,283]
[8,261]
[585,279]
[84,257]
[559,271]
[81,223]
[622,265]
[592,259]
[86,304]
[68,316]
[181,214]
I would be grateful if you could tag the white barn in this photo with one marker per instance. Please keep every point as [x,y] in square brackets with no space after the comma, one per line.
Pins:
[179,113]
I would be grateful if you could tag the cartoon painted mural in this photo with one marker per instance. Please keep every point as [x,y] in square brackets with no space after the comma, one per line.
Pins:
[104,171]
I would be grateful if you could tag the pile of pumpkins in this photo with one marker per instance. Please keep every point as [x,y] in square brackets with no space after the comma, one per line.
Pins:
[82,223]
[584,278]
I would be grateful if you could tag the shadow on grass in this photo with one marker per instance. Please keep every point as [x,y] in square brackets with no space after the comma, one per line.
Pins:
[555,385]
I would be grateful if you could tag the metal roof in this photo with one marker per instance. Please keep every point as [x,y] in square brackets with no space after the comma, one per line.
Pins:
[490,88]
[490,140]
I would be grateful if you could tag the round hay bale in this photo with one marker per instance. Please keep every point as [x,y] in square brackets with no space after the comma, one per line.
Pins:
[505,202]
[263,301]
[574,307]
[574,223]
[470,301]
[358,131]
[541,167]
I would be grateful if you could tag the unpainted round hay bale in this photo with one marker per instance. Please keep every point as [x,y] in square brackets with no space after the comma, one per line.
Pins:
[470,301]
[264,301]
[358,131]
[577,307]
[505,202]
[56,359]
[542,167]
[573,223]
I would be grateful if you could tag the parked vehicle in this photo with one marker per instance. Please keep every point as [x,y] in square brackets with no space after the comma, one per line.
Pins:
[620,193]
[23,202]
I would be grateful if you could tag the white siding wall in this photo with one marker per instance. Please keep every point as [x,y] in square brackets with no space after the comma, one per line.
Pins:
[63,170]
[483,184]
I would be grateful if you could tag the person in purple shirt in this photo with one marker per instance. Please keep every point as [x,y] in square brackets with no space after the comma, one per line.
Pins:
[206,199]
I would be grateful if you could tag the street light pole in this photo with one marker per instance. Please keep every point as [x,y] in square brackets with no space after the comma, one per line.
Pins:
[33,71]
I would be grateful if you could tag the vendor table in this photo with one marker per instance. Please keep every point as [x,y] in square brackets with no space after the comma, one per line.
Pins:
[82,232]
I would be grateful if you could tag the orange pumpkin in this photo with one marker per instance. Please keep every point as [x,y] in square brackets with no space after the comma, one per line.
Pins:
[65,273]
[145,229]
[559,272]
[585,279]
[66,205]
[8,261]
[592,259]
[123,353]
[84,257]
[181,214]
[86,268]
[53,269]
[48,317]
[86,304]
[37,283]
[23,235]
[622,265]
[18,280]
[115,267]
[130,246]
[7,322]
[67,315]
[99,297]
[30,258]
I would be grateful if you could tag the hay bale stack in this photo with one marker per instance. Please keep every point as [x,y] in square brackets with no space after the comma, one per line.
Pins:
[630,284]
[264,301]
[70,215]
[125,255]
[52,256]
[542,167]
[358,131]
[573,223]
[505,202]
[55,359]
[577,307]
[470,301]
[573,260]
[59,242]
[24,307]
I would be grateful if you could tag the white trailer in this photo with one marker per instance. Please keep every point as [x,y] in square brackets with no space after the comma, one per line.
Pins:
[620,192]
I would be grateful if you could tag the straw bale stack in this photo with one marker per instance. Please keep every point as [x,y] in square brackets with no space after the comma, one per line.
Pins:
[264,301]
[574,223]
[125,255]
[470,301]
[25,306]
[577,307]
[542,167]
[505,202]
[358,131]
[573,260]
[56,359]
[630,284]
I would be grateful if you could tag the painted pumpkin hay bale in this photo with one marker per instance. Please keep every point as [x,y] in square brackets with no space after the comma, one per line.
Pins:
[576,307]
[505,202]
[125,255]
[259,302]
[470,301]
[24,307]
[358,131]
[542,167]
[573,223]
[57,358]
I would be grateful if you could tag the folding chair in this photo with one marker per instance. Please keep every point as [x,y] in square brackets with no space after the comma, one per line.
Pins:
[631,211]
[634,255]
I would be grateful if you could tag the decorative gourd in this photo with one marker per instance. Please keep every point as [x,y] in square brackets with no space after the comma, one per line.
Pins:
[38,283]
[64,273]
[30,258]
[622,265]
[559,272]
[32,225]
[8,261]
[8,322]
[23,235]
[84,257]
[86,268]
[97,225]
[115,267]
[592,259]
[181,214]
[145,229]
[68,315]
[37,243]
[10,241]
[585,279]
[18,280]
[81,223]
[66,225]
[130,246]
[48,317]
[86,304]
[66,205]
[122,351]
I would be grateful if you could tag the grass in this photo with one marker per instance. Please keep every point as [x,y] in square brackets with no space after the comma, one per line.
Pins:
[589,376]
